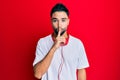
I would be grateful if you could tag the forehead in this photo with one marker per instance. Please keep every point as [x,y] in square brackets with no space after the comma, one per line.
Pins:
[59,14]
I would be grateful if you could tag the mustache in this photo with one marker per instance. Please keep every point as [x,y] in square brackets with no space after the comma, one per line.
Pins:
[56,32]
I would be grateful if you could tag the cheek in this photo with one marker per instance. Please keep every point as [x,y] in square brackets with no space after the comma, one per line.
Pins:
[54,25]
[64,25]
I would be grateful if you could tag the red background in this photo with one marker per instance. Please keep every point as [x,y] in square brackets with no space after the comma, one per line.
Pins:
[95,22]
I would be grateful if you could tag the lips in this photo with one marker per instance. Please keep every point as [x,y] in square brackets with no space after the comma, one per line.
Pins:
[56,32]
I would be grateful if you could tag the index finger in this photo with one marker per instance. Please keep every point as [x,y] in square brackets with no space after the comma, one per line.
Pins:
[59,32]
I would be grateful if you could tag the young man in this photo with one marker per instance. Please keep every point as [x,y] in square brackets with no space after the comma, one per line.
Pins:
[59,55]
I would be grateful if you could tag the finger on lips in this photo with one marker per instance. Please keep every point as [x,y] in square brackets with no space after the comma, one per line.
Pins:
[59,32]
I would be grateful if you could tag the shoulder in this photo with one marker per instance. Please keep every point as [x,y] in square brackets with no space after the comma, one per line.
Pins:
[43,40]
[75,40]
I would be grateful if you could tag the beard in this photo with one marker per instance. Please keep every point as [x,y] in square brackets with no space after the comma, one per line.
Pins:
[62,32]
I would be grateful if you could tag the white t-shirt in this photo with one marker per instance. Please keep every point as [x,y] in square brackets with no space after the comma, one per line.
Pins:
[66,58]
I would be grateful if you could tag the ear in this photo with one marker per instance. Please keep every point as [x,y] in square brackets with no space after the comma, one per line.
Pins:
[68,21]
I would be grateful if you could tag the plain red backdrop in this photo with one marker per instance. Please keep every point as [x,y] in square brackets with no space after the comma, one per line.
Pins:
[95,22]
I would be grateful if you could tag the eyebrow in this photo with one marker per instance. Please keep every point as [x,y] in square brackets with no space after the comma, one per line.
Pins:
[56,18]
[64,18]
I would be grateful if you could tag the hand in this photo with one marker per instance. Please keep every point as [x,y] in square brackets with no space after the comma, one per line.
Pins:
[59,39]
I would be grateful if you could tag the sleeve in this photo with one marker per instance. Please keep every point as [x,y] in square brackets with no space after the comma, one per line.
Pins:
[40,52]
[82,58]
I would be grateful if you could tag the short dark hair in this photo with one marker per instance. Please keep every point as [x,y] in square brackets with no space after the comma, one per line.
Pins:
[59,7]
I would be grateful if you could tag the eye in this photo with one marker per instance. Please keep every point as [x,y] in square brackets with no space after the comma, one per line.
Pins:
[54,20]
[63,20]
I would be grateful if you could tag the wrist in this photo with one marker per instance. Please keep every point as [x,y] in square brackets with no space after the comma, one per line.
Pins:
[54,48]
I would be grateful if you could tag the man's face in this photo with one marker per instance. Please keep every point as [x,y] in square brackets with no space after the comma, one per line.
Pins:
[60,20]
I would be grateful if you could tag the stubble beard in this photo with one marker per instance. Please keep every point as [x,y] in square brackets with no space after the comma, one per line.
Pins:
[56,32]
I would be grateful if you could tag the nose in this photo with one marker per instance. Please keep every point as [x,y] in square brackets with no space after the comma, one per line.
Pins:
[59,24]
